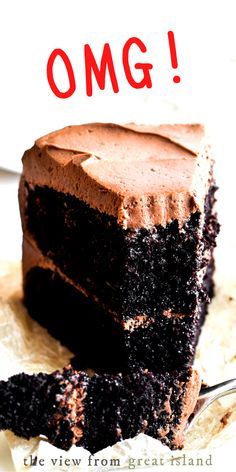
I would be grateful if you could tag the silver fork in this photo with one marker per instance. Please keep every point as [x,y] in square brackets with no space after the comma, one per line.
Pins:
[208,395]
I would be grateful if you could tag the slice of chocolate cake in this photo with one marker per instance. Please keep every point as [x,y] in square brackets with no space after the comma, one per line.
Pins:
[119,230]
[95,412]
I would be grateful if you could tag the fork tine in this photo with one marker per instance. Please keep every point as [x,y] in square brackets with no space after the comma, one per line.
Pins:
[208,395]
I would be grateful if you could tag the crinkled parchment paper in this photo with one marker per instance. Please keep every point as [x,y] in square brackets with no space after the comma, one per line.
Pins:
[25,346]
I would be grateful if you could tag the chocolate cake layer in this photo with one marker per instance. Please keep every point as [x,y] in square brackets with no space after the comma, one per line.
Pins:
[70,407]
[131,272]
[164,341]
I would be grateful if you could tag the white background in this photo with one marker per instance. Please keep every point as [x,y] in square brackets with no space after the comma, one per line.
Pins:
[205,36]
[206,45]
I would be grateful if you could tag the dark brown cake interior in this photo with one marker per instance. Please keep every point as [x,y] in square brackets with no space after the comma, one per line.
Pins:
[152,272]
[132,272]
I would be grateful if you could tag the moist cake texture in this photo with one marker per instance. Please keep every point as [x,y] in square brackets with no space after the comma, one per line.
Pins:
[96,411]
[119,230]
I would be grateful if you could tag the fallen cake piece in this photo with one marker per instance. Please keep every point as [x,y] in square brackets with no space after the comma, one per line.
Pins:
[119,230]
[70,407]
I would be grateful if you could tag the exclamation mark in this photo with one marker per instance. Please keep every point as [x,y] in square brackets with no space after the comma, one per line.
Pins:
[173,55]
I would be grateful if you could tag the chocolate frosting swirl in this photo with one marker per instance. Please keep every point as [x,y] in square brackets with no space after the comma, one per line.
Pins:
[142,175]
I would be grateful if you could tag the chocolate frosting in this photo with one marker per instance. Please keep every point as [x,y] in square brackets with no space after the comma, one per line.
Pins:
[142,175]
[189,401]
